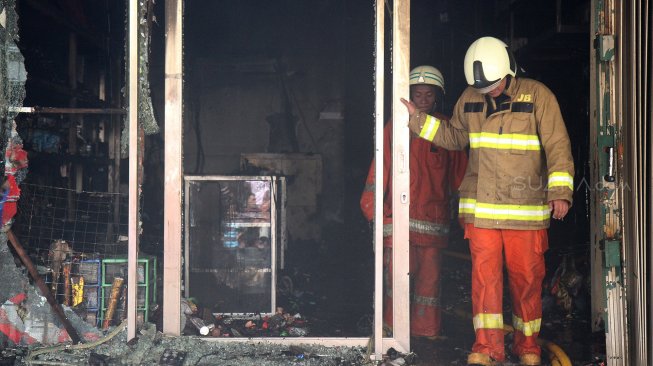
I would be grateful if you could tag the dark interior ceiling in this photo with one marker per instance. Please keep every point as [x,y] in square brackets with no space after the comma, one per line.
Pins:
[441,30]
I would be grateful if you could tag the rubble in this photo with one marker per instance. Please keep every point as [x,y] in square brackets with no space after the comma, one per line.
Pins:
[151,347]
[25,316]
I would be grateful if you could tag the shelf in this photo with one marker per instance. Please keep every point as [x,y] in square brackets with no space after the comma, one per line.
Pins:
[67,110]
[247,224]
[231,270]
[250,215]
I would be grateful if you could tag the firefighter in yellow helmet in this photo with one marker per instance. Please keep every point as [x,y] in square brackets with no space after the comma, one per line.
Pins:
[520,174]
[434,174]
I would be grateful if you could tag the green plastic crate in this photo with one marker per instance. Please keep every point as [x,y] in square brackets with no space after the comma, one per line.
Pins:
[146,292]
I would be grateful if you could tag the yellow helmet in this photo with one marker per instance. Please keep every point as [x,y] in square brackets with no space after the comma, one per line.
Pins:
[428,75]
[487,61]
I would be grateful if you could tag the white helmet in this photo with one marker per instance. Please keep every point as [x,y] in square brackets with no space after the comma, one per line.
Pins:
[487,61]
[428,75]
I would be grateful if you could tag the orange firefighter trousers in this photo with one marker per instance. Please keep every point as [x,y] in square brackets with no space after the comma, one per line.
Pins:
[425,307]
[524,257]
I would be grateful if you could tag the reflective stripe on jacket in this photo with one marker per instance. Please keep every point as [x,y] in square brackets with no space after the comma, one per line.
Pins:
[435,173]
[520,154]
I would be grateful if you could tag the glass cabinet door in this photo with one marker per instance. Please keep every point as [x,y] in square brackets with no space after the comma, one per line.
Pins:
[230,242]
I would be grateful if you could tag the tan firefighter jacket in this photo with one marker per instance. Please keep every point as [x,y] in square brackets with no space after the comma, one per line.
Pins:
[520,154]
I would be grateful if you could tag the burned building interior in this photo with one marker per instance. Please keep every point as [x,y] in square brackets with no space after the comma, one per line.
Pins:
[278,138]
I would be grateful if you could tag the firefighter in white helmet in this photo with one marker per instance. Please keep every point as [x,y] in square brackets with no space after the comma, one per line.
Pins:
[434,174]
[521,173]
[427,88]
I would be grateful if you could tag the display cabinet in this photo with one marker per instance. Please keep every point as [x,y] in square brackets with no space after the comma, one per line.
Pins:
[232,231]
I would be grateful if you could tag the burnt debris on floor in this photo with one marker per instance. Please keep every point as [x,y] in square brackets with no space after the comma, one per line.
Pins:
[26,317]
[152,348]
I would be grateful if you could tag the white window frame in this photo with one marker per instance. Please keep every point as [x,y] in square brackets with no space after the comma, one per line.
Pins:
[172,273]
